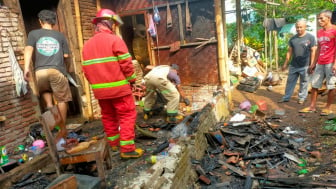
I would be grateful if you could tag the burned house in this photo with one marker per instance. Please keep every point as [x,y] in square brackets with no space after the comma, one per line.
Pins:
[186,35]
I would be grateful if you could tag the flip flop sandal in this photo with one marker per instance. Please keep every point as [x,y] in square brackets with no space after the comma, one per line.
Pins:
[326,112]
[307,110]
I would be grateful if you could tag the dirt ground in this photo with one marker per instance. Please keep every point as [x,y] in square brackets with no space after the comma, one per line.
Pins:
[309,123]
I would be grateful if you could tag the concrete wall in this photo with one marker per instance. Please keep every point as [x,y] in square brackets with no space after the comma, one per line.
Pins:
[20,111]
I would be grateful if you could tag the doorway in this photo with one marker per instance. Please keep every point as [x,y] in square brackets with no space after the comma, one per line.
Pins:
[134,33]
[30,9]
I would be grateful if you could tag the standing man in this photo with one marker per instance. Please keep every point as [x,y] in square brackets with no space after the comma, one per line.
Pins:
[108,68]
[301,47]
[324,67]
[50,49]
[165,80]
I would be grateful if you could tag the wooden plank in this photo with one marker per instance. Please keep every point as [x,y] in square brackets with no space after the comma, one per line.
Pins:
[175,3]
[179,9]
[17,173]
[88,109]
[232,168]
[70,182]
[85,155]
[184,45]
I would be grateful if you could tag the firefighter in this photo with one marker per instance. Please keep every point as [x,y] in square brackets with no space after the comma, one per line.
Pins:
[165,80]
[108,67]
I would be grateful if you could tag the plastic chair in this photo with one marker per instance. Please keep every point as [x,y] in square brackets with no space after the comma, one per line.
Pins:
[98,152]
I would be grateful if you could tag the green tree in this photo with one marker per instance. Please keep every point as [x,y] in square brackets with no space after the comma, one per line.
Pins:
[293,8]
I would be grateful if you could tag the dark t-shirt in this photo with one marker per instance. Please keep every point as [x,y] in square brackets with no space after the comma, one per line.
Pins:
[301,49]
[49,47]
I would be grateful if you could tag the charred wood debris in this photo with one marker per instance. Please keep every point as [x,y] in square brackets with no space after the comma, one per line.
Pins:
[258,153]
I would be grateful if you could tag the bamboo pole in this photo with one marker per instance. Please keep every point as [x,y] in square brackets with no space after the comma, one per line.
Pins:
[239,26]
[225,51]
[275,38]
[89,112]
[224,77]
[265,41]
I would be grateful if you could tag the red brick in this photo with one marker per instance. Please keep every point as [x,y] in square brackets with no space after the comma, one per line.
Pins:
[204,179]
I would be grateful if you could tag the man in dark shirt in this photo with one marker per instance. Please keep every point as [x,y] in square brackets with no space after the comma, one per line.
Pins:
[302,47]
[165,80]
[50,49]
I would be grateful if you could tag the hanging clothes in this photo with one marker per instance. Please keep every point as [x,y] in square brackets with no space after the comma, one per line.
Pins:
[20,83]
[156,17]
[274,23]
[169,17]
[151,29]
[279,22]
[188,19]
[269,24]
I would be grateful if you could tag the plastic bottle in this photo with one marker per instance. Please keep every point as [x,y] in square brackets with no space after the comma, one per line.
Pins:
[253,109]
[155,158]
[4,157]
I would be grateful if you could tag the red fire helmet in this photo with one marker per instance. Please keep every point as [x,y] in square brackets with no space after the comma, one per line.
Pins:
[107,14]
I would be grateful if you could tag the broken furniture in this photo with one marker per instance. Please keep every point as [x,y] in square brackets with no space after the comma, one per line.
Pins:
[98,152]
[75,181]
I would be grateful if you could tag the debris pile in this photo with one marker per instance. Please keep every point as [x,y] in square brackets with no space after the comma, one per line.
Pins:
[259,153]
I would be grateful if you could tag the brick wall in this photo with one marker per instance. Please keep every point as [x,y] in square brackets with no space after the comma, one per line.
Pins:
[199,96]
[20,112]
[175,171]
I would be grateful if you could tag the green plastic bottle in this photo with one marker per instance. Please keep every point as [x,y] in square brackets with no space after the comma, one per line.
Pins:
[4,156]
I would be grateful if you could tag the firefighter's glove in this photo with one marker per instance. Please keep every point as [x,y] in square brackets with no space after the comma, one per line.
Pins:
[186,101]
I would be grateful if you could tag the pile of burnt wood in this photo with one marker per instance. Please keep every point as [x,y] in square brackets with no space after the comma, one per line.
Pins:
[256,154]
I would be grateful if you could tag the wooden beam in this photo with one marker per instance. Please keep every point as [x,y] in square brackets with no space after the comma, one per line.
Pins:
[179,10]
[184,45]
[98,4]
[176,3]
[89,112]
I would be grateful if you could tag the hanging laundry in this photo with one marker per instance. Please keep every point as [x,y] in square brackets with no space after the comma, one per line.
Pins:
[169,17]
[151,29]
[157,17]
[188,19]
[279,22]
[272,24]
[20,83]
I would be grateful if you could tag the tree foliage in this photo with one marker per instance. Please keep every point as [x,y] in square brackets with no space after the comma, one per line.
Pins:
[293,8]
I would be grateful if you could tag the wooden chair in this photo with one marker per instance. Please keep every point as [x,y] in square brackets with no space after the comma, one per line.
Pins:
[98,152]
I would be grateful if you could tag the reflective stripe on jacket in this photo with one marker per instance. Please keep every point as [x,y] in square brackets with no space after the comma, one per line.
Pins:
[108,66]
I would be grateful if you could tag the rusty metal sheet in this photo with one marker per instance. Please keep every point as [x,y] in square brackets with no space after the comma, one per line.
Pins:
[196,66]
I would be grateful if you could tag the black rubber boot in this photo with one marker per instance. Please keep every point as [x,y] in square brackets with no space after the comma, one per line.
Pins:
[147,114]
[173,118]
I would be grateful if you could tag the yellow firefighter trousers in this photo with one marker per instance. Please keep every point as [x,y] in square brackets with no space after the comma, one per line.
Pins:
[166,88]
